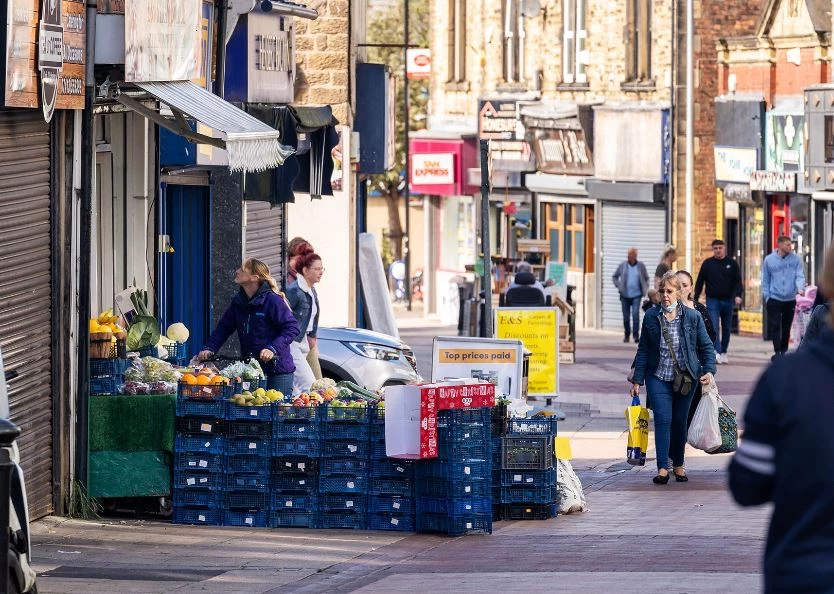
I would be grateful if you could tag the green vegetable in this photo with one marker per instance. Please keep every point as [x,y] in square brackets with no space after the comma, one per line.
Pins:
[143,332]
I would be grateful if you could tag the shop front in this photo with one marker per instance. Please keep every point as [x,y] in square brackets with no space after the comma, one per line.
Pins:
[819,170]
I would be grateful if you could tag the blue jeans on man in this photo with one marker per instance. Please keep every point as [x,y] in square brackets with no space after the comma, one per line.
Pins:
[721,310]
[631,313]
[670,412]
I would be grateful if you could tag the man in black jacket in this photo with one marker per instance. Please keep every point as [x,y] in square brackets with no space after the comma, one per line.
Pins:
[723,287]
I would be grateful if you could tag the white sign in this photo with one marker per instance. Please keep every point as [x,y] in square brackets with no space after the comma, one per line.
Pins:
[495,360]
[433,169]
[734,164]
[418,63]
[773,181]
[163,40]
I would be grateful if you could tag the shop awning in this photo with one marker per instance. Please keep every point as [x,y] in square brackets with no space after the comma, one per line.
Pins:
[250,144]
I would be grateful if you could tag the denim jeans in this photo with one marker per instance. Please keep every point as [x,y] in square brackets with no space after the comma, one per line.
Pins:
[281,382]
[721,310]
[670,411]
[631,309]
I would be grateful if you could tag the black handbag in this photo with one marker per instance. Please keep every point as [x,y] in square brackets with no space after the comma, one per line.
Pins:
[682,382]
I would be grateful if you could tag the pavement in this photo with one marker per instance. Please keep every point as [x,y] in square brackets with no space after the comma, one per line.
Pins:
[634,537]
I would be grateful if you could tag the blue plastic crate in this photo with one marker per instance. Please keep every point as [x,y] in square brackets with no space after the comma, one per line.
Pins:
[207,444]
[345,448]
[248,429]
[293,518]
[200,425]
[473,469]
[298,482]
[296,447]
[201,392]
[295,464]
[247,463]
[398,522]
[199,461]
[246,499]
[527,452]
[330,466]
[296,430]
[196,515]
[149,351]
[343,484]
[283,411]
[392,486]
[454,505]
[357,521]
[186,479]
[438,487]
[247,480]
[354,502]
[392,467]
[377,432]
[464,450]
[176,352]
[538,426]
[377,415]
[251,446]
[456,525]
[106,385]
[390,504]
[475,416]
[297,501]
[235,412]
[187,407]
[377,450]
[465,432]
[107,367]
[530,478]
[354,431]
[532,511]
[210,498]
[347,414]
[527,494]
[249,385]
[248,518]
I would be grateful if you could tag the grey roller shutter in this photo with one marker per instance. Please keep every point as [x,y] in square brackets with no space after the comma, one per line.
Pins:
[624,227]
[265,236]
[25,294]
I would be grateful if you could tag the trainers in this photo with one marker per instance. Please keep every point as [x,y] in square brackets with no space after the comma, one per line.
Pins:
[719,358]
[724,358]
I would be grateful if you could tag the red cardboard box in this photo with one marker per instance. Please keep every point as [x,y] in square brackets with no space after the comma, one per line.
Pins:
[470,395]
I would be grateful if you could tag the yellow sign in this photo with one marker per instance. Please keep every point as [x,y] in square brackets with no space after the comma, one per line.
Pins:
[750,322]
[719,213]
[477,356]
[538,330]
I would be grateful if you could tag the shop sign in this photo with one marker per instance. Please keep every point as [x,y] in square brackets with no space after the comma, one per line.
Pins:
[271,63]
[433,169]
[773,181]
[499,122]
[785,142]
[163,40]
[538,329]
[418,63]
[563,151]
[496,361]
[49,48]
[734,164]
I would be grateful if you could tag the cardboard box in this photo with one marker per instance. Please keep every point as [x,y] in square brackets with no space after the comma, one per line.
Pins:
[478,395]
[410,422]
[564,329]
[566,346]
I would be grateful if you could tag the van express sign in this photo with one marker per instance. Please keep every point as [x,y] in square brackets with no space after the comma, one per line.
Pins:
[433,169]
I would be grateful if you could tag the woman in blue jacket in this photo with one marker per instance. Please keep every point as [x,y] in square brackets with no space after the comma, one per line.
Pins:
[304,302]
[671,333]
[264,323]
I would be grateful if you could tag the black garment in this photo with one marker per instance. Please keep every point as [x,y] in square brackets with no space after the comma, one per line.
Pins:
[786,457]
[722,277]
[701,309]
[820,298]
[779,320]
[523,295]
[815,325]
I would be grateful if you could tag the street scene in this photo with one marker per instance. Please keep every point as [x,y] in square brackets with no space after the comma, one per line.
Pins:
[399,295]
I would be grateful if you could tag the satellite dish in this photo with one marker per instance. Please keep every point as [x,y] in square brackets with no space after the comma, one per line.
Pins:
[531,8]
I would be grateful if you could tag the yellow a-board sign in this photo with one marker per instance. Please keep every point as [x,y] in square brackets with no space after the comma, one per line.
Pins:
[538,329]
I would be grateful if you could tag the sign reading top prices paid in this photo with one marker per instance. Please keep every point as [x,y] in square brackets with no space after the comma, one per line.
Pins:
[496,361]
[538,329]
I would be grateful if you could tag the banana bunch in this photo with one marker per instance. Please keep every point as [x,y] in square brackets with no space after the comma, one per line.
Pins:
[106,321]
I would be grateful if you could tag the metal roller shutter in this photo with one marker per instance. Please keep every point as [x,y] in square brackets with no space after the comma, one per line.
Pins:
[265,236]
[624,227]
[25,294]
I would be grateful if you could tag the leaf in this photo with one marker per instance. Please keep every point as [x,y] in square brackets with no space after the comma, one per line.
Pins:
[144,332]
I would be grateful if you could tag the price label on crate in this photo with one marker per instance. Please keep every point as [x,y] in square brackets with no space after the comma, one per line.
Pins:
[288,504]
[395,521]
[206,428]
[396,505]
[302,482]
[245,385]
[207,390]
[249,520]
[254,412]
[352,449]
[190,481]
[201,518]
[467,470]
[253,445]
[350,485]
[349,503]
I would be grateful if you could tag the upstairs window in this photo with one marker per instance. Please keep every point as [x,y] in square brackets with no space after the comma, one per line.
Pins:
[574,38]
[639,40]
[513,42]
[457,40]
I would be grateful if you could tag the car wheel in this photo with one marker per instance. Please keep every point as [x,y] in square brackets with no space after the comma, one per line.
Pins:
[332,375]
[393,383]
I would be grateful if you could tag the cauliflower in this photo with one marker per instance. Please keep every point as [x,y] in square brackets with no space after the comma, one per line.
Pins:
[178,332]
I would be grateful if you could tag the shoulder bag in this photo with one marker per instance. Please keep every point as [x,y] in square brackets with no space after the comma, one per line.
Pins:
[682,382]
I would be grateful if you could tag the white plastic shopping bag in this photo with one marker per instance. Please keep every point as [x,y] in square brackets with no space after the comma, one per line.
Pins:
[569,488]
[704,432]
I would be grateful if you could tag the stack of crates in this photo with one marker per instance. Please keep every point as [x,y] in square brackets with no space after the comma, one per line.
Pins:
[248,451]
[106,375]
[344,466]
[454,491]
[498,430]
[528,470]
[199,462]
[296,432]
[391,493]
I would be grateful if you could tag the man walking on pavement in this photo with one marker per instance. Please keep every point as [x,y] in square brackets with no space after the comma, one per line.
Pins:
[783,277]
[632,281]
[723,287]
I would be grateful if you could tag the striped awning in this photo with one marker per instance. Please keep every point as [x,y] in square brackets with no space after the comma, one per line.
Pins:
[250,144]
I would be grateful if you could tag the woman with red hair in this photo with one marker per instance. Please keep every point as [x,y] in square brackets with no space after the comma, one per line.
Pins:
[304,303]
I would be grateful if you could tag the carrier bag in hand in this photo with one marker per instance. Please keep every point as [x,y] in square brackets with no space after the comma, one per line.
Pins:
[637,417]
[729,429]
[704,432]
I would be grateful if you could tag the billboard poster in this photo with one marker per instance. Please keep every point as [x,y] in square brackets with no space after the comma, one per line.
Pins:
[163,40]
[538,329]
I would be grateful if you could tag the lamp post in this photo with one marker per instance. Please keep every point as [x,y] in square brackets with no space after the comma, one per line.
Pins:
[690,141]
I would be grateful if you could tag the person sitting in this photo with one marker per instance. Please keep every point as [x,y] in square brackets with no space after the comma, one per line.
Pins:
[525,290]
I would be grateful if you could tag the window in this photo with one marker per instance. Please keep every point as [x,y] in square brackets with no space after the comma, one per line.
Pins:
[574,36]
[829,139]
[457,40]
[513,42]
[639,40]
[565,229]
[456,233]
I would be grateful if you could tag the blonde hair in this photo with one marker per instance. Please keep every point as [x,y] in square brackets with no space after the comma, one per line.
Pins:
[827,281]
[670,278]
[261,270]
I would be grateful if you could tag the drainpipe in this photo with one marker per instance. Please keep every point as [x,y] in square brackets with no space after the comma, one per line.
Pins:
[690,141]
[220,50]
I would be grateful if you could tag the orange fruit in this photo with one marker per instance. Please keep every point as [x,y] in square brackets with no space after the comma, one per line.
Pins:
[218,379]
[203,380]
[189,379]
[205,371]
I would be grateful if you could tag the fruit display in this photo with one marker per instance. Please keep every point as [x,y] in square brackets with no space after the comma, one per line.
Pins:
[150,375]
[203,377]
[249,370]
[105,322]
[259,397]
[144,329]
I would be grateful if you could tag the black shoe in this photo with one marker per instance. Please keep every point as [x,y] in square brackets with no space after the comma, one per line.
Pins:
[636,339]
[777,355]
[626,338]
[660,480]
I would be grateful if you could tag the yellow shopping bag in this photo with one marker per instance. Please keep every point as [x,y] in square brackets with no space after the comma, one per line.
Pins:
[637,417]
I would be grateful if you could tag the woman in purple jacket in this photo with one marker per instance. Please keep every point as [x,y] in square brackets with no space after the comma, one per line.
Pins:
[264,322]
